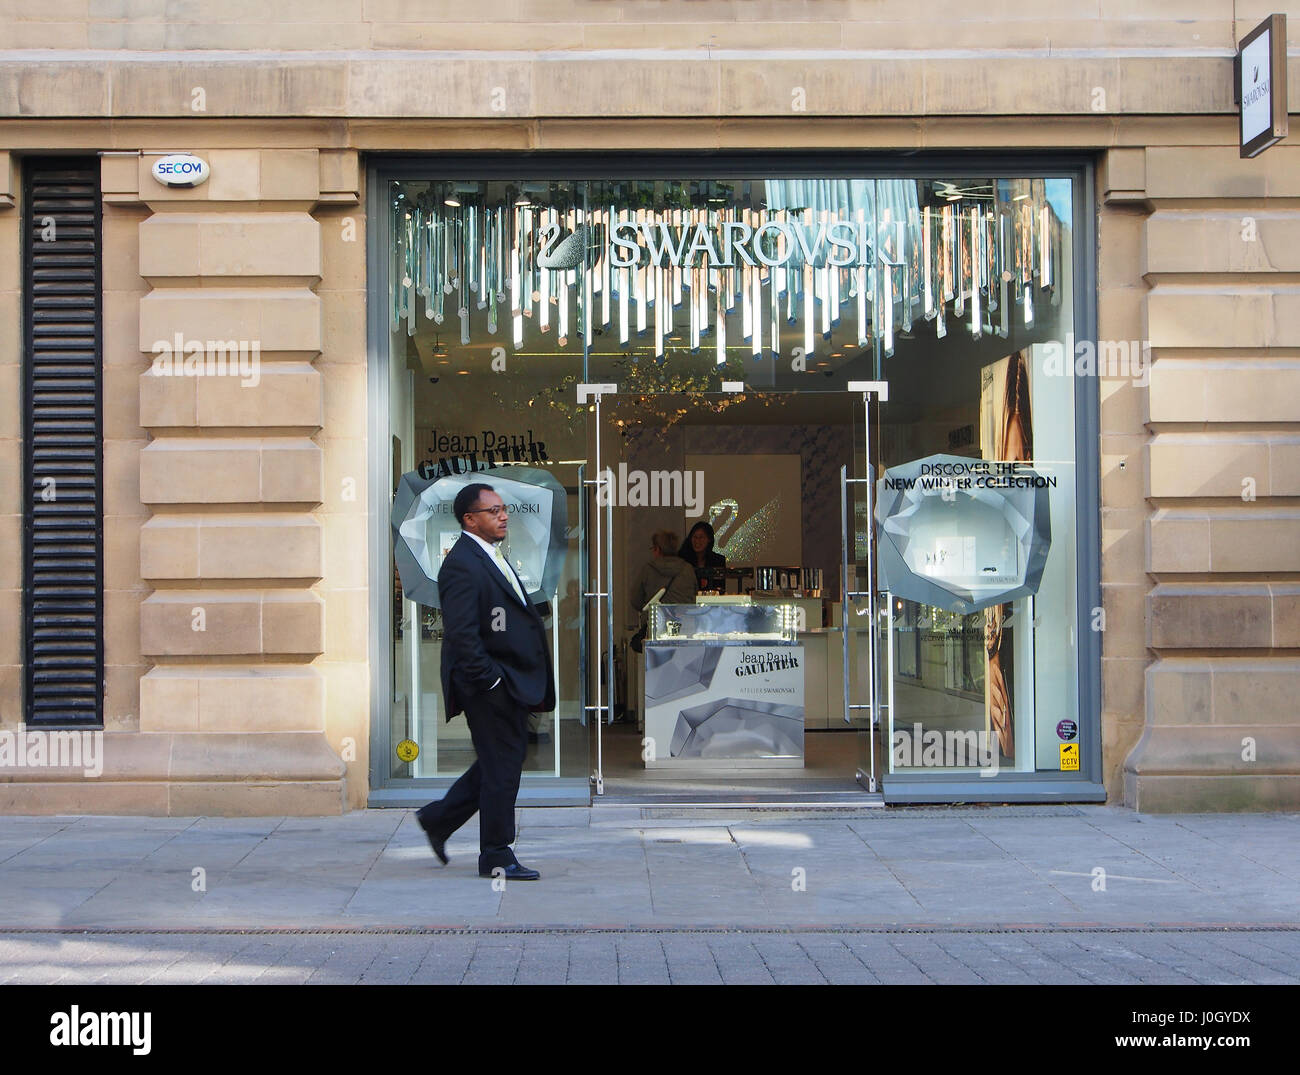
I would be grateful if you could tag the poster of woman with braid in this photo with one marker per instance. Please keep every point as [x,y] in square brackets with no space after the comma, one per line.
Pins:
[1006,435]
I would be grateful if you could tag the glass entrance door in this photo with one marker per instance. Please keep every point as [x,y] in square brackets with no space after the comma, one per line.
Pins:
[740,493]
[866,684]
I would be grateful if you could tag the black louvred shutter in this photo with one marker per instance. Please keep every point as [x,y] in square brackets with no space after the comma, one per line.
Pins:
[63,555]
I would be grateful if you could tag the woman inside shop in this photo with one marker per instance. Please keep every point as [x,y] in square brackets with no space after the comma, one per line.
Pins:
[663,571]
[697,550]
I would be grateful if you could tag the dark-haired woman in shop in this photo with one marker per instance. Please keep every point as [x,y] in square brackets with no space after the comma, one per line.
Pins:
[697,550]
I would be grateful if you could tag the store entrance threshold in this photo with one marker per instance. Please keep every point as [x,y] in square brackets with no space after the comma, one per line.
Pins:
[828,778]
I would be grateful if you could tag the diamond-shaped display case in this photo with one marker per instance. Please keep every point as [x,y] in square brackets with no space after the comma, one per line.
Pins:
[962,545]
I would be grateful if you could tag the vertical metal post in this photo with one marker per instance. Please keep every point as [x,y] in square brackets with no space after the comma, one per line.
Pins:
[887,732]
[599,775]
[611,686]
[603,545]
[844,586]
[872,619]
[879,389]
[584,574]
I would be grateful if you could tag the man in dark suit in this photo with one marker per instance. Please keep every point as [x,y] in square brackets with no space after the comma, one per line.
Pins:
[496,665]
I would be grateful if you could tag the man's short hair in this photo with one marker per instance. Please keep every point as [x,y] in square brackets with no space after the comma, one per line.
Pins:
[467,500]
[665,541]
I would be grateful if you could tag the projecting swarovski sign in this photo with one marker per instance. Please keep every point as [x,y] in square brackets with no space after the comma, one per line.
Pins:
[1261,86]
[733,242]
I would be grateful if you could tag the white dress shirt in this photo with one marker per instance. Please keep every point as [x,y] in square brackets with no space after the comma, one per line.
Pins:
[504,568]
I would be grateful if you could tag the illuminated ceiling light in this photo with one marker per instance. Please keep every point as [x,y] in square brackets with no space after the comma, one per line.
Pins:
[452,201]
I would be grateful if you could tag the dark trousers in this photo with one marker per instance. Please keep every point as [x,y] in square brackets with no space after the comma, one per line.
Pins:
[499,729]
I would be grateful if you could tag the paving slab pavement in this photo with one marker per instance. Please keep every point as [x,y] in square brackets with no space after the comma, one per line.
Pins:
[841,957]
[630,867]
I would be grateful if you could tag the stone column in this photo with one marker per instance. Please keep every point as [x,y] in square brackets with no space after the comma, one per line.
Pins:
[235,549]
[1220,252]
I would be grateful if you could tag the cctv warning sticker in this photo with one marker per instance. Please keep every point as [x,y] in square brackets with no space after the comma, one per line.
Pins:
[1069,756]
[407,750]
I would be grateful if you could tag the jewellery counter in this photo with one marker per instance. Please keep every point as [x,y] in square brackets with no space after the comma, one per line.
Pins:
[724,687]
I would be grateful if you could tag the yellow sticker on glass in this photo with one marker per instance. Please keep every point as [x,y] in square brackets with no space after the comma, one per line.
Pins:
[1069,756]
[408,750]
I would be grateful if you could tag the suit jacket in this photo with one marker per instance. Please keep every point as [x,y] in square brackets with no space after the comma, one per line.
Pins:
[488,632]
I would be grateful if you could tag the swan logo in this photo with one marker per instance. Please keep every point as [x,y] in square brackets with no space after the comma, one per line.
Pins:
[742,539]
[569,252]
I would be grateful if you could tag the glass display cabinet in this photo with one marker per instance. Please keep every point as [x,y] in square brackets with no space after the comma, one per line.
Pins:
[724,687]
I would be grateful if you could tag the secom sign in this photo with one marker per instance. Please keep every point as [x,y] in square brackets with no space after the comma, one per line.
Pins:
[180,170]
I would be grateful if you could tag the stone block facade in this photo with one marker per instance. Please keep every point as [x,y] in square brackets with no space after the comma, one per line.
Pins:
[236,602]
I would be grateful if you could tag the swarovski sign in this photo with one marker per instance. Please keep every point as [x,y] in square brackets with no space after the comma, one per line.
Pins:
[732,243]
[1260,88]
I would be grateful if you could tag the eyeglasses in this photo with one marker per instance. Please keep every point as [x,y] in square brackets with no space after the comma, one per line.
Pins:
[495,510]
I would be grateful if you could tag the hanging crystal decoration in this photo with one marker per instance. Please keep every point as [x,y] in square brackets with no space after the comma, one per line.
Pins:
[642,273]
[860,283]
[885,276]
[625,277]
[947,241]
[988,280]
[720,286]
[661,302]
[1045,254]
[927,267]
[906,251]
[961,264]
[774,275]
[944,267]
[482,256]
[606,272]
[1003,277]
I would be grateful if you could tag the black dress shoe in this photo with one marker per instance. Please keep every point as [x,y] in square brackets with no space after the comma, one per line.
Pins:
[438,843]
[513,872]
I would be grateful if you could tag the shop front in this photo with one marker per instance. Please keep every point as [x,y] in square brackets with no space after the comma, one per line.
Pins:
[800,464]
